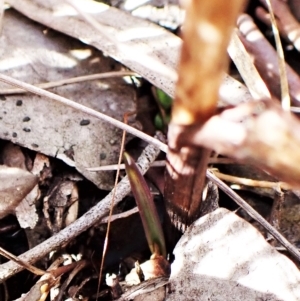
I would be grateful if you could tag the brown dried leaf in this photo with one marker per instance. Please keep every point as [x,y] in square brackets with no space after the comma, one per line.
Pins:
[15,184]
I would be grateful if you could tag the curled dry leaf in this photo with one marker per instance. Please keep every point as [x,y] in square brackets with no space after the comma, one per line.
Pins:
[15,184]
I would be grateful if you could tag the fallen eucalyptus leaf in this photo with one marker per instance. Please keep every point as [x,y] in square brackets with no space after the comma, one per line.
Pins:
[15,184]
[221,257]
[34,55]
[151,51]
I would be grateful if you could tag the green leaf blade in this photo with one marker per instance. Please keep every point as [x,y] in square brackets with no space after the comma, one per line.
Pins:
[148,213]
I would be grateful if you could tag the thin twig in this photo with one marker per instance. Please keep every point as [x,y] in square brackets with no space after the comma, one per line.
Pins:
[73,80]
[84,109]
[250,182]
[112,206]
[161,163]
[21,262]
[120,215]
[94,215]
[285,97]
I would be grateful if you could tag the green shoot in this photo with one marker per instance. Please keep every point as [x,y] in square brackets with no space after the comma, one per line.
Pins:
[148,213]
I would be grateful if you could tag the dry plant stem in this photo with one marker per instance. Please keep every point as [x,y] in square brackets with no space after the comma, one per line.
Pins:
[288,26]
[112,206]
[246,68]
[82,108]
[161,163]
[250,182]
[207,30]
[81,265]
[285,98]
[72,80]
[265,59]
[93,216]
[120,215]
[292,249]
[184,182]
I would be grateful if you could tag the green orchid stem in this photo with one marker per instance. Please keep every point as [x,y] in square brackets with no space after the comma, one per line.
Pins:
[147,209]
